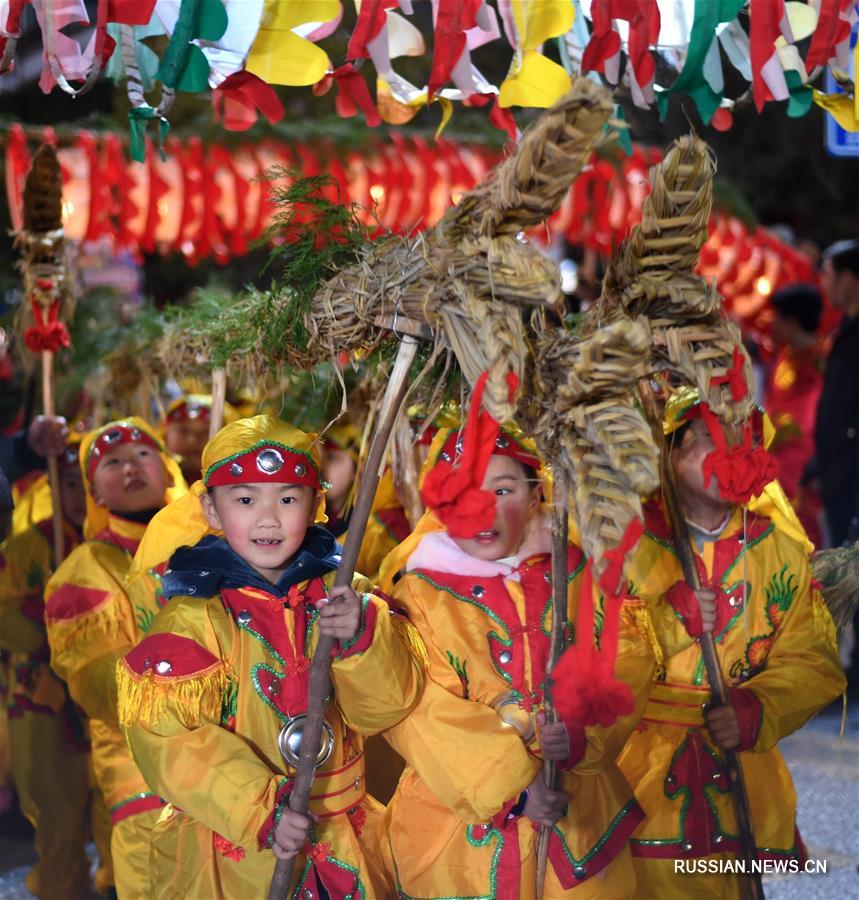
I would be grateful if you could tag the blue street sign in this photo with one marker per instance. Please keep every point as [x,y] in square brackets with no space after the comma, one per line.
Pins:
[837,141]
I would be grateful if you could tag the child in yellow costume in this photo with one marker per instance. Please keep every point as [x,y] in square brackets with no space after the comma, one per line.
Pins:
[476,584]
[776,645]
[92,622]
[213,699]
[186,430]
[49,747]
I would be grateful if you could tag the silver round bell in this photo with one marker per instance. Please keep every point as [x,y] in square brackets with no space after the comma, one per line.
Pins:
[291,735]
[507,708]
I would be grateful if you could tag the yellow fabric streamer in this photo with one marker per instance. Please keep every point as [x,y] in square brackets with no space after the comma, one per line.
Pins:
[97,516]
[279,55]
[640,618]
[534,80]
[183,522]
[841,107]
[142,699]
[411,637]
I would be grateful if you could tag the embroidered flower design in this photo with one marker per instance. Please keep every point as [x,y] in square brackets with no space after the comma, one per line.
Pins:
[357,816]
[227,849]
[318,853]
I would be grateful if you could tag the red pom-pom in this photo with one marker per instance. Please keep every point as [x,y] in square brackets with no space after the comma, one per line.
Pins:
[584,695]
[741,473]
[51,337]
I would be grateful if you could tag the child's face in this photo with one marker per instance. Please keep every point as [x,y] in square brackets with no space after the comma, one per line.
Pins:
[516,500]
[264,523]
[338,469]
[688,461]
[130,478]
[73,495]
[187,439]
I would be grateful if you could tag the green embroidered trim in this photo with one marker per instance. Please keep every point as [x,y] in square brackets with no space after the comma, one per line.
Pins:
[145,618]
[255,670]
[481,606]
[230,703]
[133,799]
[312,615]
[362,624]
[666,545]
[342,865]
[683,790]
[612,827]
[746,547]
[257,446]
[546,619]
[461,669]
[255,634]
[297,895]
[279,807]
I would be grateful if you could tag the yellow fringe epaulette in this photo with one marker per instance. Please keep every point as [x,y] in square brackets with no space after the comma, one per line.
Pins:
[640,618]
[103,621]
[824,624]
[195,699]
[411,637]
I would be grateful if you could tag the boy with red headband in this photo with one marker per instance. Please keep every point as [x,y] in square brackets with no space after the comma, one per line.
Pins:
[214,699]
[476,583]
[776,645]
[91,622]
[50,758]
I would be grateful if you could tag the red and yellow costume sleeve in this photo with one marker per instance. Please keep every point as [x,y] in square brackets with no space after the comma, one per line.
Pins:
[197,705]
[90,624]
[489,764]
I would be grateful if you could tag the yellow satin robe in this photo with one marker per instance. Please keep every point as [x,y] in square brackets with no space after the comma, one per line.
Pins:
[450,830]
[203,710]
[91,623]
[782,648]
[48,742]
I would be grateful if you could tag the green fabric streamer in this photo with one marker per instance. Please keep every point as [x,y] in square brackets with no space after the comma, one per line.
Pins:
[709,14]
[184,65]
[801,95]
[621,132]
[138,118]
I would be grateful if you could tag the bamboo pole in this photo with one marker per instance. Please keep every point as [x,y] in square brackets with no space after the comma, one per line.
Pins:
[219,398]
[750,882]
[53,467]
[320,668]
[560,525]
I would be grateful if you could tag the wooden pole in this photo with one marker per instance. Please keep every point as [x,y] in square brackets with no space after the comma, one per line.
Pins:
[560,541]
[320,668]
[219,398]
[751,885]
[53,468]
